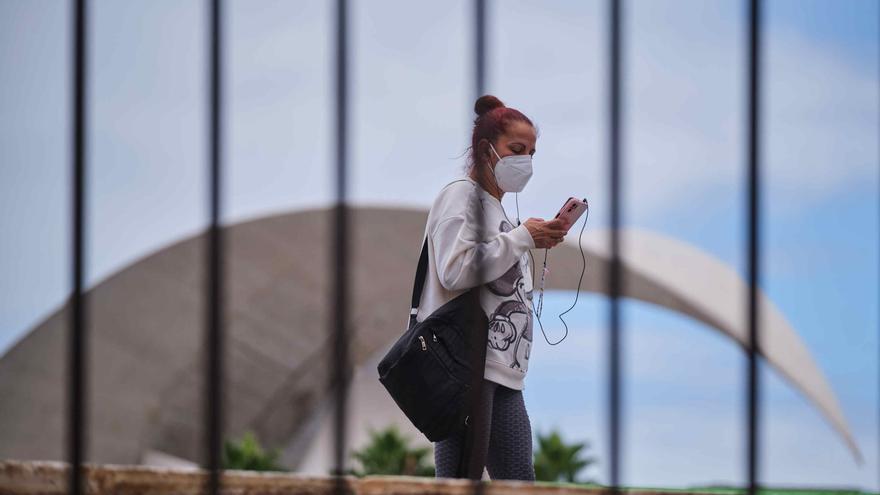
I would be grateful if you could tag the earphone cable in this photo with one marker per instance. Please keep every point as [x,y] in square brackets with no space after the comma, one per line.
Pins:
[577,292]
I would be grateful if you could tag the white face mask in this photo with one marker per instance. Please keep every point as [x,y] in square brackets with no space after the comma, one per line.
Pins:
[512,172]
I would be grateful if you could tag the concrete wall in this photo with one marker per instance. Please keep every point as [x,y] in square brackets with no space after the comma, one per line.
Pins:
[51,478]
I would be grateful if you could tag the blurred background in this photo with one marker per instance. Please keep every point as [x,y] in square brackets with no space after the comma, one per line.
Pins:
[411,97]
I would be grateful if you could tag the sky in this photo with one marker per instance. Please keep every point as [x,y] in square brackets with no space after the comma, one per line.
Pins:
[412,95]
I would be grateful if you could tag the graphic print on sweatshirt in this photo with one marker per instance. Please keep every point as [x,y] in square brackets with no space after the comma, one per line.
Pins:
[510,322]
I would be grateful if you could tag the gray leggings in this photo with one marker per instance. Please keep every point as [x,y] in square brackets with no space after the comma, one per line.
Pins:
[505,443]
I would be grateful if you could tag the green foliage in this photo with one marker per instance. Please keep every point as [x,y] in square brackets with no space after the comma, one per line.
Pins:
[248,454]
[557,461]
[388,452]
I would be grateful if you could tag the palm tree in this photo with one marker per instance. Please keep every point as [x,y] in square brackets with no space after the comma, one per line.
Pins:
[248,454]
[388,452]
[557,461]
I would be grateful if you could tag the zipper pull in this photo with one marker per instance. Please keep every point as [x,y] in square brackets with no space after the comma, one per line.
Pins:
[424,346]
[435,337]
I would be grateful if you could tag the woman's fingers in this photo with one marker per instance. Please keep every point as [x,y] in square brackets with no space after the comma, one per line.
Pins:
[546,234]
[557,236]
[555,231]
[556,224]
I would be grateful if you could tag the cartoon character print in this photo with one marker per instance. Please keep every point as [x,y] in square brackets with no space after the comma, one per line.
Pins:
[506,318]
[511,321]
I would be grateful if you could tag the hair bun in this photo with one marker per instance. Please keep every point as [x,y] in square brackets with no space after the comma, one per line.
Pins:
[486,103]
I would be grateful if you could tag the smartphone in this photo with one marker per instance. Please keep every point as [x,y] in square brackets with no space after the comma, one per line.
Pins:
[572,210]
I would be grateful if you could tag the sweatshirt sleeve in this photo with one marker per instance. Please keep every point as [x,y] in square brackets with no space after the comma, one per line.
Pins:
[458,253]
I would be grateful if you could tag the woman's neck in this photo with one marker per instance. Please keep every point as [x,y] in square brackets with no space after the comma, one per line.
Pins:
[480,174]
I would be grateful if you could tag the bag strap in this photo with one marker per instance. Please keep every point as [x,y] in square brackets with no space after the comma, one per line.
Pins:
[421,274]
[419,283]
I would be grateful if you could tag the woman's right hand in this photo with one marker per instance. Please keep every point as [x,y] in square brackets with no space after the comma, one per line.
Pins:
[546,234]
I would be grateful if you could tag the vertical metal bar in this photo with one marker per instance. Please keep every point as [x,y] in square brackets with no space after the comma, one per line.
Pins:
[615,53]
[754,133]
[77,345]
[213,406]
[468,461]
[339,261]
[480,47]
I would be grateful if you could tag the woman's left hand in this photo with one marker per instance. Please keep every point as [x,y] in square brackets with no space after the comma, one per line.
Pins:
[546,234]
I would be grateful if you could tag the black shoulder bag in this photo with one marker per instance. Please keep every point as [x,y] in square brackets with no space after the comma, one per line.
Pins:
[434,372]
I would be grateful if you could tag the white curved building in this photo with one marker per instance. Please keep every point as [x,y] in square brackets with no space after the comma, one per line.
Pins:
[145,368]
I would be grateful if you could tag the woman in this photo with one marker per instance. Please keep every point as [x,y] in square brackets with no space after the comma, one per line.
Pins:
[502,145]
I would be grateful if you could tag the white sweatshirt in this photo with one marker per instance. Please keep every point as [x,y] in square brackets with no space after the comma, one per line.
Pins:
[453,249]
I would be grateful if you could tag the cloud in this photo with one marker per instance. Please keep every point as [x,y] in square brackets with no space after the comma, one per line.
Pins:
[686,112]
[684,101]
[821,121]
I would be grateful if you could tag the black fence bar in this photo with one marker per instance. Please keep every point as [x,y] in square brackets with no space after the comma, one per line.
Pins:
[478,415]
[480,47]
[615,52]
[754,132]
[77,346]
[339,262]
[213,405]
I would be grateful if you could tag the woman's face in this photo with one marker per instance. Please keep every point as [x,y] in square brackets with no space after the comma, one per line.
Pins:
[519,139]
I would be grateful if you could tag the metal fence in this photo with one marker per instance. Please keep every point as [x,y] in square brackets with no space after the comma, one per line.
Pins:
[214,282]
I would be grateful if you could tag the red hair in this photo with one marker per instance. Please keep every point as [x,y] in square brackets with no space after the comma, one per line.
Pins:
[493,119]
